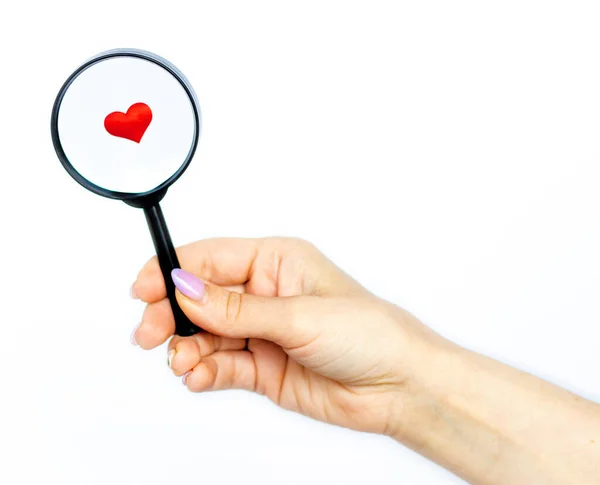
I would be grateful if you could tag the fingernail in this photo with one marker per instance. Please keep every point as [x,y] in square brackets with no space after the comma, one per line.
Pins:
[188,284]
[170,356]
[132,292]
[184,377]
[132,338]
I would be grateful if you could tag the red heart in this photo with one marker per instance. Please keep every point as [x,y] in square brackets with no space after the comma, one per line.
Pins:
[131,125]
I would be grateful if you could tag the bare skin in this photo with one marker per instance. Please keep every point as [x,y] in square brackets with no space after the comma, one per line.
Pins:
[280,319]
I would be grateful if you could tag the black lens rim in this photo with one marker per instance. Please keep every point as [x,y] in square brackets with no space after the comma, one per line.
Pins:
[140,54]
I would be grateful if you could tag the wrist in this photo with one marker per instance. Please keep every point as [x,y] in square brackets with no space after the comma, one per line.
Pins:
[419,403]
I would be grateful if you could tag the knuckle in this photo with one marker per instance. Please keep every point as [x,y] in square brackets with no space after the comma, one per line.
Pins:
[233,306]
[294,243]
[302,244]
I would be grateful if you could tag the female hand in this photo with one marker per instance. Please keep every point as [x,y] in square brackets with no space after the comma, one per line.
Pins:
[282,320]
[318,343]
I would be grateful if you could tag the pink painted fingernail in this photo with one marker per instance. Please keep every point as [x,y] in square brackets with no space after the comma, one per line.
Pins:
[184,377]
[170,356]
[132,338]
[188,284]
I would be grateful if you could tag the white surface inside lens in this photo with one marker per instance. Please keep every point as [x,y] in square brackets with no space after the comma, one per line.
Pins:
[120,164]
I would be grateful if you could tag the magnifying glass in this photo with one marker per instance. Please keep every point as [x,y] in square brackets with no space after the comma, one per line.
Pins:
[125,125]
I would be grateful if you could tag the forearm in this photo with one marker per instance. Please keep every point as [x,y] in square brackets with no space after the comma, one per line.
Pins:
[492,424]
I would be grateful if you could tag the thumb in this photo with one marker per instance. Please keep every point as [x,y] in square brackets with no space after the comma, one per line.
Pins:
[236,315]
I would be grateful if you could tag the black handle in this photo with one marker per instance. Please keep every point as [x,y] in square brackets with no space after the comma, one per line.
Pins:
[167,259]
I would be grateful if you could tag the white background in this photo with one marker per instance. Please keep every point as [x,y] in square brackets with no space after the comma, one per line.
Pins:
[446,154]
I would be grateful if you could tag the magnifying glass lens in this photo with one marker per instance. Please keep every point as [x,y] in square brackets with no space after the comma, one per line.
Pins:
[126,124]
